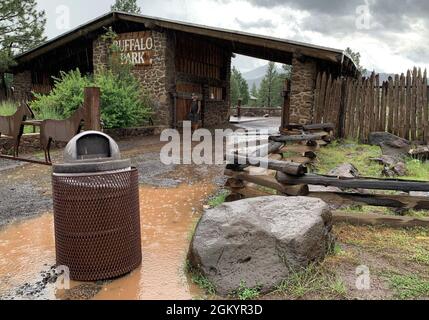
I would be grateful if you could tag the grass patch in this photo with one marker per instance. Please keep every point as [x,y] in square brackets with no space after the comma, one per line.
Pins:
[218,199]
[245,293]
[421,256]
[410,244]
[200,280]
[337,153]
[417,170]
[409,286]
[313,280]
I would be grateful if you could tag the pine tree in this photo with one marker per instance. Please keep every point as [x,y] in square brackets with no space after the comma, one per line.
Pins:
[237,81]
[268,85]
[130,6]
[234,88]
[356,58]
[22,27]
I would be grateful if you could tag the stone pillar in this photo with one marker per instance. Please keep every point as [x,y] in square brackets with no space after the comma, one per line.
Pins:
[22,85]
[100,54]
[302,90]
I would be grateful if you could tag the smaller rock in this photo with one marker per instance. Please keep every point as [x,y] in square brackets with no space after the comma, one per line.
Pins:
[420,152]
[346,170]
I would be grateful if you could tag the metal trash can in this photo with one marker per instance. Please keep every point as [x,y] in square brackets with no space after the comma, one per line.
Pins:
[96,209]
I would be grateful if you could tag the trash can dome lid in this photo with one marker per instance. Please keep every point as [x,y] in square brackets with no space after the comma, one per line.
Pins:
[91,146]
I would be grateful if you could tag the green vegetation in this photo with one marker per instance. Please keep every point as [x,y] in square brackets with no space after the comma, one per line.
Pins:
[410,244]
[356,58]
[200,280]
[22,27]
[359,155]
[313,280]
[64,99]
[239,88]
[130,6]
[338,153]
[218,199]
[270,91]
[409,286]
[124,102]
[245,293]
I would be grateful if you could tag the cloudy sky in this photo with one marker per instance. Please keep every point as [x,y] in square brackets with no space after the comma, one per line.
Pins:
[391,35]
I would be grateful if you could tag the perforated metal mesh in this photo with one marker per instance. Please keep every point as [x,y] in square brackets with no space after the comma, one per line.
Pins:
[97,224]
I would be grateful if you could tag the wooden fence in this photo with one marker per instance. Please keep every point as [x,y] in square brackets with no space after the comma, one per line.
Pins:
[361,106]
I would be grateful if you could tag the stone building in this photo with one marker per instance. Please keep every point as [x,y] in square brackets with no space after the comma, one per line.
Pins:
[174,59]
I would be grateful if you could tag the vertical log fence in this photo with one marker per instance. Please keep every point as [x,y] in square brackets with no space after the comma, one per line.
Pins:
[360,106]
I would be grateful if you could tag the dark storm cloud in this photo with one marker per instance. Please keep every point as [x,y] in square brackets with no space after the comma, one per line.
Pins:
[339,16]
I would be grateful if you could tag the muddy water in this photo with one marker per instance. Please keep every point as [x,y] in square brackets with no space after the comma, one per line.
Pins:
[167,218]
[25,249]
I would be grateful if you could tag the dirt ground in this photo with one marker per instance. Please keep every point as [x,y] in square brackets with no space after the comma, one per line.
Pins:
[172,199]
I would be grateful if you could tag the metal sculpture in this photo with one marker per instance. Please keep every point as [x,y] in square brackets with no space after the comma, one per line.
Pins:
[60,131]
[13,125]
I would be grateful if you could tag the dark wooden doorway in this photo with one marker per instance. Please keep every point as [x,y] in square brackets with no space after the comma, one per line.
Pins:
[184,101]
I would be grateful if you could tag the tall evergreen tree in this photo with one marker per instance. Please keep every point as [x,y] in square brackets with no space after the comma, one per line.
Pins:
[268,85]
[22,27]
[239,83]
[130,6]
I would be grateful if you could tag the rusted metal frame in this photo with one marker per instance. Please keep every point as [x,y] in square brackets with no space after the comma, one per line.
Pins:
[25,160]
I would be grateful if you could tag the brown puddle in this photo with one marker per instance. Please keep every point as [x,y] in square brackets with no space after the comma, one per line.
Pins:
[167,217]
[25,249]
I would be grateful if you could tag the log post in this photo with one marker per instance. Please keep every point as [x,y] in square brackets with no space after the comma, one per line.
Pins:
[92,108]
[239,108]
[286,106]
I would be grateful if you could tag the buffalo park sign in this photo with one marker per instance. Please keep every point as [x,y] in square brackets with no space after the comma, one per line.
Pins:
[136,48]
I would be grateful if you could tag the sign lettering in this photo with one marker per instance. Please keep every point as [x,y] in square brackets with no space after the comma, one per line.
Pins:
[135,48]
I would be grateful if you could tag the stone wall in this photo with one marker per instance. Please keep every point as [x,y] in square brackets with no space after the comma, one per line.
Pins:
[22,85]
[303,83]
[156,79]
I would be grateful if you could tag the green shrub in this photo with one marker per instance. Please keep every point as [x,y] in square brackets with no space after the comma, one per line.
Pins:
[123,100]
[65,98]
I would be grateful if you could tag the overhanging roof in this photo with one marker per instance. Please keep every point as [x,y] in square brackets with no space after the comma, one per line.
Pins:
[239,40]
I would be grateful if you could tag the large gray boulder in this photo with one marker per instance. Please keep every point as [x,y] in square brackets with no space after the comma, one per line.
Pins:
[259,241]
